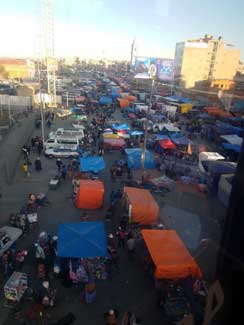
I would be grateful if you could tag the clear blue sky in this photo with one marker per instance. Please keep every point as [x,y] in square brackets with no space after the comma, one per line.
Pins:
[157,24]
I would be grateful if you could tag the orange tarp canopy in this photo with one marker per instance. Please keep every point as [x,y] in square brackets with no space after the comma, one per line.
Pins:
[216,111]
[124,103]
[90,195]
[144,208]
[171,258]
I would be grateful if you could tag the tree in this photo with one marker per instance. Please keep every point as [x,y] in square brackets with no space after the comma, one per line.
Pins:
[3,73]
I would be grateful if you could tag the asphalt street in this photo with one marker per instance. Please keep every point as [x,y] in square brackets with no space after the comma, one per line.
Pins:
[130,289]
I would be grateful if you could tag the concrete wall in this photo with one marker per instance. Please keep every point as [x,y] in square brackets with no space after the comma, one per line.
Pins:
[10,148]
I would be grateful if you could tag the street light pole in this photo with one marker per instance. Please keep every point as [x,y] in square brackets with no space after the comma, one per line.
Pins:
[67,99]
[41,103]
[144,148]
[42,119]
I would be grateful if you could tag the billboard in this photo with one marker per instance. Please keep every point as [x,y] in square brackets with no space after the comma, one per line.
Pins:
[165,69]
[146,65]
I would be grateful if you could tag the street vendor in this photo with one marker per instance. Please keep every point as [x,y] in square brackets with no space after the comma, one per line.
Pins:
[40,255]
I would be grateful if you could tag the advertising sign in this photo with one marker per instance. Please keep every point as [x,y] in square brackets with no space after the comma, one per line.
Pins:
[165,69]
[146,65]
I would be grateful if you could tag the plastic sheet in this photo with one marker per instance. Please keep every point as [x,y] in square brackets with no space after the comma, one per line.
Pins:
[82,240]
[170,256]
[90,195]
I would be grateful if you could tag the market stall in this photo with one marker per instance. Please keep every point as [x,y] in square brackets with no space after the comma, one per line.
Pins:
[171,258]
[16,286]
[107,135]
[134,158]
[83,246]
[89,195]
[141,206]
[165,144]
[105,101]
[113,144]
[92,164]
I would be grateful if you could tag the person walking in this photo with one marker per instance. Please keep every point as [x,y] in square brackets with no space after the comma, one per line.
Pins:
[69,171]
[29,163]
[33,143]
[64,171]
[112,198]
[38,164]
[39,147]
[121,236]
[25,151]
[59,164]
[25,169]
[131,244]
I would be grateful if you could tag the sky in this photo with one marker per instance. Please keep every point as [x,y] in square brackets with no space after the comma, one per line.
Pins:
[106,28]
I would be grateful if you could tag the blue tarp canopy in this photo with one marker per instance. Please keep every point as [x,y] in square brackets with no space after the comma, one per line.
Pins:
[182,141]
[176,135]
[238,106]
[134,159]
[82,240]
[92,164]
[105,100]
[120,126]
[114,95]
[161,137]
[225,128]
[135,132]
[233,147]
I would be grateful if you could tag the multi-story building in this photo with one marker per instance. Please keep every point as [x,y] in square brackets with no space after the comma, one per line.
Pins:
[18,68]
[205,59]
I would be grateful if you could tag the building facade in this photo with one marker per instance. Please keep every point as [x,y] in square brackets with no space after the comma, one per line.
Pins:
[18,68]
[205,59]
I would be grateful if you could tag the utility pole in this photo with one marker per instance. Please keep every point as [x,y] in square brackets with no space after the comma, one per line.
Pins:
[47,47]
[42,118]
[41,103]
[67,99]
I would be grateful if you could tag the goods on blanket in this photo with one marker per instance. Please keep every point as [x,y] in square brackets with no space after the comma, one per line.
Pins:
[32,217]
[15,286]
[81,269]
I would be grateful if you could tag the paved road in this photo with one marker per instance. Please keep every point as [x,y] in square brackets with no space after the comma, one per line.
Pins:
[131,289]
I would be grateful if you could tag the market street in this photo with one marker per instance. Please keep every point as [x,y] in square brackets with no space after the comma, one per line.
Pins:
[131,288]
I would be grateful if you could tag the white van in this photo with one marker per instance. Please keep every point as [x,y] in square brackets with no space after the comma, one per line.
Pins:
[65,133]
[71,143]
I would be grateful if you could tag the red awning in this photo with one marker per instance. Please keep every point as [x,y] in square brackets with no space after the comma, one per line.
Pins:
[167,144]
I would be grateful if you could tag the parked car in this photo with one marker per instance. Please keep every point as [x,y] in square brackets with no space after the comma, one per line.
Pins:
[8,236]
[61,133]
[63,113]
[61,152]
[65,142]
